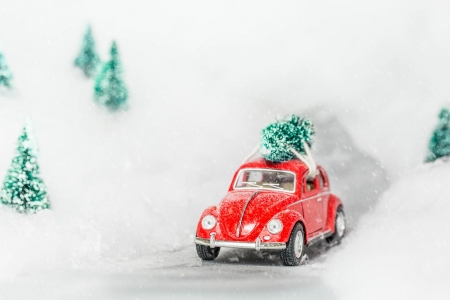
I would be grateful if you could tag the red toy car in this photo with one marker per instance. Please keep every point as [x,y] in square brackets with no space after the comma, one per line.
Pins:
[272,206]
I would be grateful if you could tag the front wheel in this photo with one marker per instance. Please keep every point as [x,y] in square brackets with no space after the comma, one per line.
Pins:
[295,247]
[207,253]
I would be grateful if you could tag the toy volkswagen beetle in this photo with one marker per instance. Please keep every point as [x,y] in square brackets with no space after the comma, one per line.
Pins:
[272,206]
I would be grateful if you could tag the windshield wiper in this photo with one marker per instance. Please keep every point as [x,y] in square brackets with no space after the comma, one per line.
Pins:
[274,185]
[252,183]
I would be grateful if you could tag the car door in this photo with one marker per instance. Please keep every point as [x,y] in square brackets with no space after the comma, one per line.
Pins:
[312,202]
[325,194]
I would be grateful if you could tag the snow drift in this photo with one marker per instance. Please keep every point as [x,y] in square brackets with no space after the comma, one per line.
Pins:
[401,249]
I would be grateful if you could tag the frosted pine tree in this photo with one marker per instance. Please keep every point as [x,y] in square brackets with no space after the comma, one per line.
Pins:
[439,145]
[278,138]
[87,59]
[110,90]
[23,188]
[5,73]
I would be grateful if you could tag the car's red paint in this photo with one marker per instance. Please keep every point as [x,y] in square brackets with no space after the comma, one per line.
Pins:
[332,207]
[315,209]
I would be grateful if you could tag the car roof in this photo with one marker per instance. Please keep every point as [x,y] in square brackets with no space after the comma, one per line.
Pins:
[293,165]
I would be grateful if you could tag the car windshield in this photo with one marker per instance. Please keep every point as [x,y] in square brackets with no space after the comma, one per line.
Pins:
[265,179]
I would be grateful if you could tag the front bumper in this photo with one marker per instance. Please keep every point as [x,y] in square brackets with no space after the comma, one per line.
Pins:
[257,245]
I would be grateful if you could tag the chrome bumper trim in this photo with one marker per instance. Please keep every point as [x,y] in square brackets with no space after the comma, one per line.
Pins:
[241,245]
[212,240]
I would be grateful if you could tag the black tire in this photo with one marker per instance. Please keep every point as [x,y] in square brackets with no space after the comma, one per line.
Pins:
[207,253]
[339,227]
[295,247]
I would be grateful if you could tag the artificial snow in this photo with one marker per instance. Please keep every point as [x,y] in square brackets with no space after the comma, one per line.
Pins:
[400,250]
[204,78]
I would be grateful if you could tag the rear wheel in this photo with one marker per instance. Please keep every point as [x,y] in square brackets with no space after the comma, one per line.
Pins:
[295,247]
[339,227]
[207,253]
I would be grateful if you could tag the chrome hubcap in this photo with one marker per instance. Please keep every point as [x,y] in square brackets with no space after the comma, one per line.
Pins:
[340,224]
[298,244]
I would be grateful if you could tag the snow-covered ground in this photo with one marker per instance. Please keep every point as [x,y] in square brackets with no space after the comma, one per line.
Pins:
[400,250]
[204,78]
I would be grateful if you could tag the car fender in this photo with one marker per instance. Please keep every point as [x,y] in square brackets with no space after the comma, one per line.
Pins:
[289,218]
[333,203]
[212,210]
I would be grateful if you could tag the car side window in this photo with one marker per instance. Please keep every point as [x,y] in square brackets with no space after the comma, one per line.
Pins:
[321,181]
[309,184]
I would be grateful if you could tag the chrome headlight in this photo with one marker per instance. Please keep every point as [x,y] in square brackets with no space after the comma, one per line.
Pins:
[208,222]
[274,226]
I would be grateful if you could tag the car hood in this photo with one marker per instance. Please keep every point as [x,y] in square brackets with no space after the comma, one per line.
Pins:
[257,207]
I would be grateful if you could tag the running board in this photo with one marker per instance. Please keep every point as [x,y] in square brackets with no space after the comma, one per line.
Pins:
[319,237]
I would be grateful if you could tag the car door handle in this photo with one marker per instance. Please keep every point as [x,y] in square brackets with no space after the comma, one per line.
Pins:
[319,199]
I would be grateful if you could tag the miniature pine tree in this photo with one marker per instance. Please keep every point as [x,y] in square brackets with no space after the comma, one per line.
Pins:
[439,145]
[23,189]
[110,90]
[5,73]
[88,59]
[279,137]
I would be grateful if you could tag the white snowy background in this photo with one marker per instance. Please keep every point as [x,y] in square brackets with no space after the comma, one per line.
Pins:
[205,77]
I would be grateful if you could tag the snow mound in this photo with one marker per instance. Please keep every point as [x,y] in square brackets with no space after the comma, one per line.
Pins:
[400,251]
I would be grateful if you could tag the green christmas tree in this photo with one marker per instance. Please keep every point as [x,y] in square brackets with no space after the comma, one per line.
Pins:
[439,145]
[23,188]
[279,137]
[110,90]
[88,59]
[5,73]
